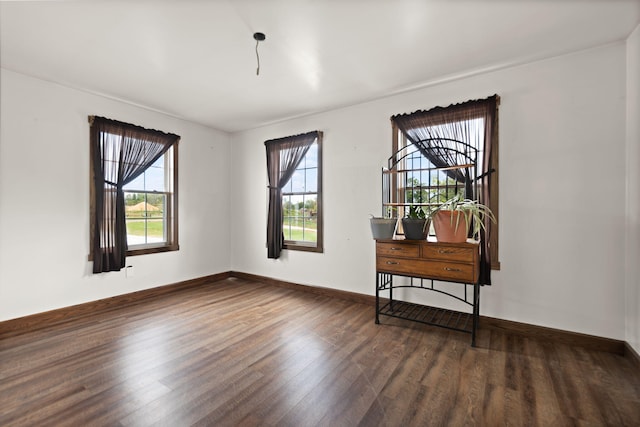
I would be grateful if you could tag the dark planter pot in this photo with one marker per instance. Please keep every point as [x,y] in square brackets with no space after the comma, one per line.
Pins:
[415,229]
[383,228]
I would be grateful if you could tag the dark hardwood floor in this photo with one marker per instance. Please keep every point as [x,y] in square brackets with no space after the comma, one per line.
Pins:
[237,352]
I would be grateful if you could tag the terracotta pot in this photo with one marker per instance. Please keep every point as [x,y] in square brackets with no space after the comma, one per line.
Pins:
[446,228]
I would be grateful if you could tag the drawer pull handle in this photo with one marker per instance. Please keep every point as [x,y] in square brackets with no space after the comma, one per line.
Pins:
[452,269]
[396,249]
[392,263]
[445,251]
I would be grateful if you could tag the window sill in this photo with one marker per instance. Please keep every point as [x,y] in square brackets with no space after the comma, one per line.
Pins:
[300,246]
[152,250]
[146,251]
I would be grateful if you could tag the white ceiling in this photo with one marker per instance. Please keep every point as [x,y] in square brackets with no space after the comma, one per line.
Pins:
[196,59]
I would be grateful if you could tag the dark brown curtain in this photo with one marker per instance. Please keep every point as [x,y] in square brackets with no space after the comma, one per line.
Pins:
[446,137]
[283,157]
[120,152]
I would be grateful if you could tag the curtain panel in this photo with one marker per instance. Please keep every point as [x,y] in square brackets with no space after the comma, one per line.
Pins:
[283,157]
[120,152]
[446,137]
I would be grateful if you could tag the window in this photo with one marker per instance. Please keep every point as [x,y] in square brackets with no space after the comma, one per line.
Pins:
[447,151]
[426,181]
[134,199]
[301,207]
[150,203]
[294,171]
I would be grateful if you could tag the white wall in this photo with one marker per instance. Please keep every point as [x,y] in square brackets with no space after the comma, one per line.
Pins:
[563,144]
[562,151]
[633,192]
[44,199]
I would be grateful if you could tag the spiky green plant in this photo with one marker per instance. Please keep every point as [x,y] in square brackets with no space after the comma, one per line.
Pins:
[474,212]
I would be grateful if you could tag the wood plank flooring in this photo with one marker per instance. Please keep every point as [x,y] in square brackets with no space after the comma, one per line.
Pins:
[237,352]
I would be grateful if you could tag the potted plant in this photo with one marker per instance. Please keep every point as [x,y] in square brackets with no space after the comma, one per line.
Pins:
[452,219]
[383,228]
[416,223]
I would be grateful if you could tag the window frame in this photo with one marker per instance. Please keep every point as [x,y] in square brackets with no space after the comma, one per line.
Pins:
[398,139]
[306,246]
[171,214]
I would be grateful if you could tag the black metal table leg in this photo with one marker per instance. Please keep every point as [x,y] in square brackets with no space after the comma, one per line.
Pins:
[377,298]
[476,313]
[390,291]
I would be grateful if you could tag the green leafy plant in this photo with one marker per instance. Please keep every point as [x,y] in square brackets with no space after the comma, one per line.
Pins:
[417,212]
[474,212]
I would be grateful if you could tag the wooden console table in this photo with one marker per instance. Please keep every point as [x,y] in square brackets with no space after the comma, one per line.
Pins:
[423,262]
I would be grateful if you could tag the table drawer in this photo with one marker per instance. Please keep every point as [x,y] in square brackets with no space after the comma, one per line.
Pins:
[441,270]
[403,250]
[449,253]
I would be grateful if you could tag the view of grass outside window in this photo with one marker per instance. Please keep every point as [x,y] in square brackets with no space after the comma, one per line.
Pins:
[147,202]
[300,202]
[300,222]
[144,214]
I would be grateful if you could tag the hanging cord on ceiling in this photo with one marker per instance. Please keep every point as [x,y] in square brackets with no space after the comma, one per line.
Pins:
[258,38]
